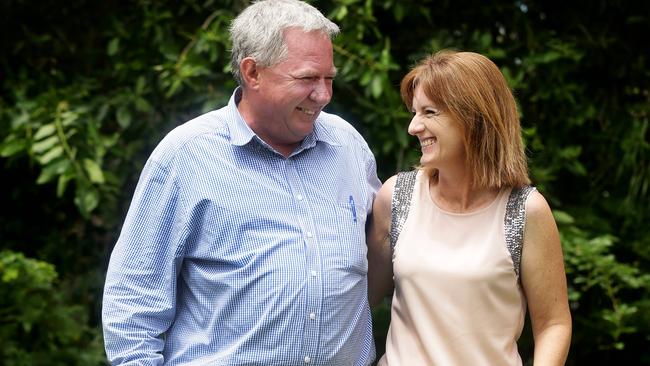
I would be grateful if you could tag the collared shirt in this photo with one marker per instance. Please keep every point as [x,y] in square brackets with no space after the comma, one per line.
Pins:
[232,254]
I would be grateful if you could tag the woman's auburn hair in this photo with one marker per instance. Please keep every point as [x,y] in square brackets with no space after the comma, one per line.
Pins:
[472,90]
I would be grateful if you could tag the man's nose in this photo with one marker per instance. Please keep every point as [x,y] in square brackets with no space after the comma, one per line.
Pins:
[322,92]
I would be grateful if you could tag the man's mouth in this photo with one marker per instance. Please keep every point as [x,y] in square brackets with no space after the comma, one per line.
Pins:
[309,112]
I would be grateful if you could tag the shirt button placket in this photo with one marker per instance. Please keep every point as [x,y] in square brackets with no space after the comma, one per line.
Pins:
[312,261]
[311,329]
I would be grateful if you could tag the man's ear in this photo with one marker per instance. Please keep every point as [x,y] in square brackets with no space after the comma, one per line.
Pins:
[250,72]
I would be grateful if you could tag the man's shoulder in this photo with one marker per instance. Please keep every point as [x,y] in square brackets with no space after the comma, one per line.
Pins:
[213,123]
[340,128]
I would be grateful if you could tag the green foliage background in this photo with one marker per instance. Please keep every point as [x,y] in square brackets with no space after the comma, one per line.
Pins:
[89,87]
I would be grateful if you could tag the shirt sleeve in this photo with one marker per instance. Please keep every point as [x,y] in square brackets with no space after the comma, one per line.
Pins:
[371,176]
[139,301]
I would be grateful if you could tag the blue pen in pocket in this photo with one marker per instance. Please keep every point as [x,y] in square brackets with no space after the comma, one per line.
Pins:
[354,209]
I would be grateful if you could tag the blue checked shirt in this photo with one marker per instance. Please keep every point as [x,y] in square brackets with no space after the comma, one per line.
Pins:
[232,254]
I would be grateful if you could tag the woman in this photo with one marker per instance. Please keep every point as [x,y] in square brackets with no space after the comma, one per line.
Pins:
[471,243]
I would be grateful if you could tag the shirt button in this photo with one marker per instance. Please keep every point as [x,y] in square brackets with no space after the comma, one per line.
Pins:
[309,234]
[312,316]
[313,273]
[307,359]
[299,197]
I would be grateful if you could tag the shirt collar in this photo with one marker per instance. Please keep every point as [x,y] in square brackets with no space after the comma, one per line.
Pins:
[241,134]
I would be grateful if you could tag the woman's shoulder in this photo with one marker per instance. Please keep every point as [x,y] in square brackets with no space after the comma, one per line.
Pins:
[537,206]
[385,195]
[400,180]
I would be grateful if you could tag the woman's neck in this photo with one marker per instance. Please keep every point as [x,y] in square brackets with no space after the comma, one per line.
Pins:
[456,193]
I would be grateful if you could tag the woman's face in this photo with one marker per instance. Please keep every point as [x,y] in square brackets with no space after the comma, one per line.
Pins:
[440,137]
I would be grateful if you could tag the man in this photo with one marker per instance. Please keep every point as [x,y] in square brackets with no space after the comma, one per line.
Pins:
[245,243]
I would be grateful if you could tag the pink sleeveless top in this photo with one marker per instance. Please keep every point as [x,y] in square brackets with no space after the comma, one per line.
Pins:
[457,299]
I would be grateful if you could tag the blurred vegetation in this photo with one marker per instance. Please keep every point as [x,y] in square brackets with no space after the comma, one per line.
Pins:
[38,327]
[88,88]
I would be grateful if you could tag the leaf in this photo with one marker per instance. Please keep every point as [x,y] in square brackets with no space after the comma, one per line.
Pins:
[398,12]
[110,140]
[402,137]
[54,153]
[365,78]
[20,120]
[103,111]
[549,57]
[68,118]
[140,85]
[50,171]
[94,171]
[44,145]
[10,274]
[113,46]
[485,40]
[562,217]
[571,152]
[12,147]
[387,146]
[45,131]
[142,105]
[578,169]
[62,183]
[376,88]
[123,117]
[86,200]
[343,11]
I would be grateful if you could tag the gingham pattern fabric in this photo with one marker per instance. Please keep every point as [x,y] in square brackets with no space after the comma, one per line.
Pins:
[231,254]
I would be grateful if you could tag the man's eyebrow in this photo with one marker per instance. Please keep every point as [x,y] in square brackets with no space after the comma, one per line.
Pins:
[303,74]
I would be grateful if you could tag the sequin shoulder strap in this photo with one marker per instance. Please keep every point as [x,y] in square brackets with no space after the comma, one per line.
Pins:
[400,204]
[514,221]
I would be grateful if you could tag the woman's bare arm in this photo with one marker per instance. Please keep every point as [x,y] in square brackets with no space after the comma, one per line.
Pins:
[544,282]
[380,266]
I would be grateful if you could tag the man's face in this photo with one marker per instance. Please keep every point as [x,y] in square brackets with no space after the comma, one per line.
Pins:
[293,92]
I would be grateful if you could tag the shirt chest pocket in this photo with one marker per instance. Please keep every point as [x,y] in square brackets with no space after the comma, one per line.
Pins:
[342,239]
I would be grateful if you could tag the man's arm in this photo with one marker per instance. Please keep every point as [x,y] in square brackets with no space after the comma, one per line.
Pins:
[140,290]
[380,265]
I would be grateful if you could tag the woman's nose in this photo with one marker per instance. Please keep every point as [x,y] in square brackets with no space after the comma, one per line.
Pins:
[415,126]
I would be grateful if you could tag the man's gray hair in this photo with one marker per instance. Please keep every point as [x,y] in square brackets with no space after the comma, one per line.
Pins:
[258,31]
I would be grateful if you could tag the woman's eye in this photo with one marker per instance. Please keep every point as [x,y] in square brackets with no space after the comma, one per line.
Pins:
[432,112]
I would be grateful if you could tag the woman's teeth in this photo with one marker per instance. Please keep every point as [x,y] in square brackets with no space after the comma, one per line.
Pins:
[427,142]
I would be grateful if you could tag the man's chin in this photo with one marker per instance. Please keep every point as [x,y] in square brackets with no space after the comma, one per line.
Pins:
[304,128]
